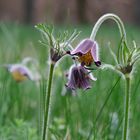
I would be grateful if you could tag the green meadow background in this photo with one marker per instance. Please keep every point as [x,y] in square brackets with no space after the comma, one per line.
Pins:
[93,114]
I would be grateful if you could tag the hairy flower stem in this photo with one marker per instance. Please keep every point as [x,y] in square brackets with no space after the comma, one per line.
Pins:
[48,103]
[126,109]
[104,18]
[125,135]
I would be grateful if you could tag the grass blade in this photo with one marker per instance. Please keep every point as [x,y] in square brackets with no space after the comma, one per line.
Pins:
[105,102]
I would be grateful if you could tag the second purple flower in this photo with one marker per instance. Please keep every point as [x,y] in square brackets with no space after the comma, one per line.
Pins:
[79,77]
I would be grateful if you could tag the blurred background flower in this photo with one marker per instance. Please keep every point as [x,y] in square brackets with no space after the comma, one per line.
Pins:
[24,70]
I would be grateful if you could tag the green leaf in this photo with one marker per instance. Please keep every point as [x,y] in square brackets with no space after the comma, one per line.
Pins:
[103,106]
[119,51]
[125,52]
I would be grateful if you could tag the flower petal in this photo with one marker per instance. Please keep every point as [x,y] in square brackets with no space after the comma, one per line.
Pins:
[78,78]
[92,77]
[83,47]
[71,78]
[95,52]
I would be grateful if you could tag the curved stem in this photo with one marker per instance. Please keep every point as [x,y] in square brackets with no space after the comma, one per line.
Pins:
[48,103]
[105,17]
[126,109]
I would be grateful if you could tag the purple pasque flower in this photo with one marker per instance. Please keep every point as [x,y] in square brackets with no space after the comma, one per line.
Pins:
[87,52]
[19,72]
[79,77]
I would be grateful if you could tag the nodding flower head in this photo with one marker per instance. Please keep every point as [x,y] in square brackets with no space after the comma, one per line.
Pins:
[79,77]
[87,52]
[27,69]
[19,72]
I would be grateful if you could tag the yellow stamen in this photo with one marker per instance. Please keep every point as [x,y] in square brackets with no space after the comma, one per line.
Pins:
[87,58]
[18,76]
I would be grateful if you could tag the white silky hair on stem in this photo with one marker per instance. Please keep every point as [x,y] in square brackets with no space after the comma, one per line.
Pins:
[104,18]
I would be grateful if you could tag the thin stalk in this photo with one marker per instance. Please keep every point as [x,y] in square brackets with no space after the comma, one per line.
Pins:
[104,18]
[48,103]
[125,135]
[101,110]
[42,104]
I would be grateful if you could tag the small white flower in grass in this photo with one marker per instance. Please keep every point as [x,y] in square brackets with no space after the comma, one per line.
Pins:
[114,124]
[114,120]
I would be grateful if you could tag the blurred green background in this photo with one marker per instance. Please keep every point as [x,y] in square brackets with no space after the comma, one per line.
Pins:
[98,110]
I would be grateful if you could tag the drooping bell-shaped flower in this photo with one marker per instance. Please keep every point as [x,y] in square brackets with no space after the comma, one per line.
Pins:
[27,69]
[79,77]
[87,52]
[19,72]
